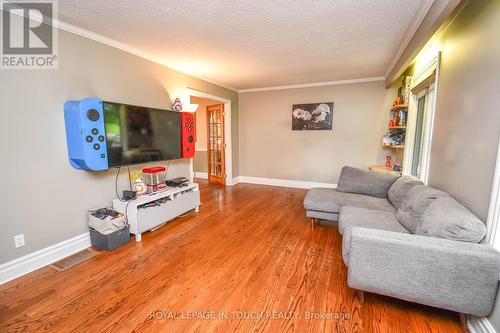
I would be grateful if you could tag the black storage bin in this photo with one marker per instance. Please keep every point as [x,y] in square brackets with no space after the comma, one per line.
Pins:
[111,241]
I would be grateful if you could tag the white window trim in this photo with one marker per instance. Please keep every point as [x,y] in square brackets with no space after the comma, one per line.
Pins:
[492,224]
[410,134]
[427,133]
[433,66]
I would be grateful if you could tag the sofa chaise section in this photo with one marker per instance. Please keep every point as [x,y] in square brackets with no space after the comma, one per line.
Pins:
[325,203]
[403,239]
[351,217]
[355,188]
[457,276]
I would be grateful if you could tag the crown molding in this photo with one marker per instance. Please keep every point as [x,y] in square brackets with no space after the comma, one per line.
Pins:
[129,49]
[412,29]
[315,84]
[437,19]
[61,25]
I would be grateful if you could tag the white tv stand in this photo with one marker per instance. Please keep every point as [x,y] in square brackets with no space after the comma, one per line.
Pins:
[174,202]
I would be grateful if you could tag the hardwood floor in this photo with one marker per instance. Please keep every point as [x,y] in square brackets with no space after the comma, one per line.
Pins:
[248,261]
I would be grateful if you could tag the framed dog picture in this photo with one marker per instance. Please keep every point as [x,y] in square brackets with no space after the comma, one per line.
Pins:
[315,116]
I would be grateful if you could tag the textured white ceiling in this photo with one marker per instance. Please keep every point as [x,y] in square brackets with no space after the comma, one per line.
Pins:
[250,44]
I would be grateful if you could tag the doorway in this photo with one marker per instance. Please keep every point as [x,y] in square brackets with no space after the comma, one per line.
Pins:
[213,157]
[216,144]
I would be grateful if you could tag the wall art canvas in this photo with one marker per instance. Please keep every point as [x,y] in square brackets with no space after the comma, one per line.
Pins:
[313,116]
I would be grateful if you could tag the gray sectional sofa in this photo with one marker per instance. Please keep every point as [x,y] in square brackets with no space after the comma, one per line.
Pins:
[406,240]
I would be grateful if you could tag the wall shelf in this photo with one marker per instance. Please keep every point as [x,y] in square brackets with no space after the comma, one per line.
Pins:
[395,146]
[397,127]
[382,168]
[399,107]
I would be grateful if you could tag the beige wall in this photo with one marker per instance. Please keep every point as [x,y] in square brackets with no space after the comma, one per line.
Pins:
[269,148]
[42,195]
[200,162]
[467,123]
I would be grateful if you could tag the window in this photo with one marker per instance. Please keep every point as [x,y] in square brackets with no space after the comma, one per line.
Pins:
[417,147]
[420,122]
[422,133]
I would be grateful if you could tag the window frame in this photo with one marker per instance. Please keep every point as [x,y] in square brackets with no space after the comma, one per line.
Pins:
[424,83]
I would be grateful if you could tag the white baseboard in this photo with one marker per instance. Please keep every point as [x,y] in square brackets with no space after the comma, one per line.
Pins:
[283,182]
[33,261]
[202,175]
[479,325]
[233,181]
[270,181]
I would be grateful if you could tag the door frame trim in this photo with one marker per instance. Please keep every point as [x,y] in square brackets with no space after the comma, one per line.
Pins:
[227,133]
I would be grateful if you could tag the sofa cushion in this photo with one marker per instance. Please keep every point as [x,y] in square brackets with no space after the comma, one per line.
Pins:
[367,218]
[330,200]
[414,205]
[398,191]
[377,184]
[446,218]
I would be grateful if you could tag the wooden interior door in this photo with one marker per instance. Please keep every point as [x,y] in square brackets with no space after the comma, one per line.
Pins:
[216,144]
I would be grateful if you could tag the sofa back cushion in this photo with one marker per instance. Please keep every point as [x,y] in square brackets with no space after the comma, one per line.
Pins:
[398,191]
[446,218]
[414,205]
[376,184]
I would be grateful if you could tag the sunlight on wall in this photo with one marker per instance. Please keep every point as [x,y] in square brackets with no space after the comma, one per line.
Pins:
[185,97]
[428,53]
[452,48]
[193,67]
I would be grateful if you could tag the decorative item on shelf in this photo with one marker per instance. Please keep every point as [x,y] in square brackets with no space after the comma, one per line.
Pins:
[394,137]
[388,159]
[140,187]
[316,116]
[406,88]
[154,178]
[397,166]
[386,140]
[398,116]
[398,101]
[400,96]
[403,92]
[177,106]
[393,122]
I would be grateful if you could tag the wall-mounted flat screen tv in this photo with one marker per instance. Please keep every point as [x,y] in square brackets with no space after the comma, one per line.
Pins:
[136,134]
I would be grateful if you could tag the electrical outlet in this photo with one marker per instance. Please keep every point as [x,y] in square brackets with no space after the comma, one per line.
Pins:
[19,240]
